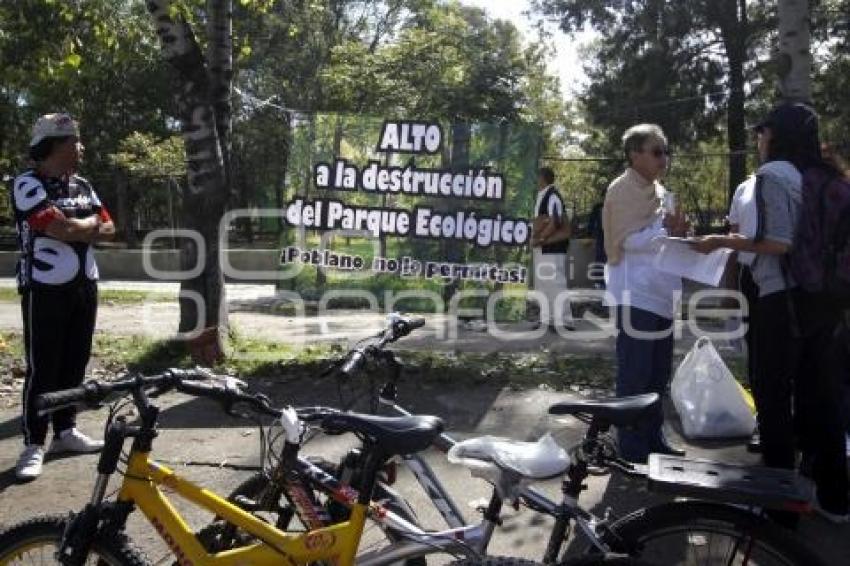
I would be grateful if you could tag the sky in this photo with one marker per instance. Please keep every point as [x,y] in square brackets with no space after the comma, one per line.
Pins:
[565,64]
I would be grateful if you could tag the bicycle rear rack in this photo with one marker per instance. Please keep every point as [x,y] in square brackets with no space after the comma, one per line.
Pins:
[729,483]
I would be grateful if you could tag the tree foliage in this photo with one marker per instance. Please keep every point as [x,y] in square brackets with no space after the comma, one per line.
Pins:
[686,65]
[96,59]
[142,155]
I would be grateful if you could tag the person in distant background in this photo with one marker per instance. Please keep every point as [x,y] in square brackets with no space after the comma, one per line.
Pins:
[595,231]
[58,216]
[550,241]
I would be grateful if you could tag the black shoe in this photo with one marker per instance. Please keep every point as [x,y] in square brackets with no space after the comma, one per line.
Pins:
[754,443]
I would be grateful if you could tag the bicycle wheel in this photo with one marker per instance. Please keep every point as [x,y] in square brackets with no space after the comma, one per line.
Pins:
[36,541]
[219,535]
[691,533]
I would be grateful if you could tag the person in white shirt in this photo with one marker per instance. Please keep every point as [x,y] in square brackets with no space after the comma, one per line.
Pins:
[743,218]
[646,299]
[550,241]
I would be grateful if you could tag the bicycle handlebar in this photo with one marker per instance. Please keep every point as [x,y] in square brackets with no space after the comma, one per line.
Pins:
[398,328]
[191,381]
[93,392]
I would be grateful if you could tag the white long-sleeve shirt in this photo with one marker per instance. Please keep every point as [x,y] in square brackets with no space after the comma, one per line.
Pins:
[636,282]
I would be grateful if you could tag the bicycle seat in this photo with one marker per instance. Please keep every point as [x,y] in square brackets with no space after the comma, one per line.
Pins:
[393,435]
[618,411]
[533,460]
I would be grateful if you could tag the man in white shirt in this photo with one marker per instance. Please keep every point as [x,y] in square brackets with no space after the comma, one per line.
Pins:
[550,241]
[646,298]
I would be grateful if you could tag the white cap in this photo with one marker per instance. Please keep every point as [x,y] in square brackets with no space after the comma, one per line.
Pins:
[57,125]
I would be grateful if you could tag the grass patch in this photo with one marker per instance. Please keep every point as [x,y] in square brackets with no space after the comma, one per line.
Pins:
[106,296]
[138,353]
[252,358]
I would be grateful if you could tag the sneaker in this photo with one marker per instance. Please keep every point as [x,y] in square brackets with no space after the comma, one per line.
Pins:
[72,440]
[29,462]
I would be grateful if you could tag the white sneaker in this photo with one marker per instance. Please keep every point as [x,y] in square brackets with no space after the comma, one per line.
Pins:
[29,462]
[72,440]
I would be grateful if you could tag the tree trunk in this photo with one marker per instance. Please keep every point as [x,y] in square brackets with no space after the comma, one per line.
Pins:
[382,238]
[199,100]
[459,161]
[283,166]
[321,277]
[735,34]
[499,207]
[736,124]
[220,57]
[795,58]
[311,146]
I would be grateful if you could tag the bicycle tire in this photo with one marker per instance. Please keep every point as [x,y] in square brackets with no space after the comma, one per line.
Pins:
[494,561]
[47,531]
[606,561]
[687,523]
[218,536]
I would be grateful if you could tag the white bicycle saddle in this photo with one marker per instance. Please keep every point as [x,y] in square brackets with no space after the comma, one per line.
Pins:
[532,460]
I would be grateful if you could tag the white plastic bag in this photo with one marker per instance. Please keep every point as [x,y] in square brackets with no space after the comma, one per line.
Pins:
[707,397]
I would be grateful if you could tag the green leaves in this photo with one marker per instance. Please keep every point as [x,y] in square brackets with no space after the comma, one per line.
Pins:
[143,155]
[72,60]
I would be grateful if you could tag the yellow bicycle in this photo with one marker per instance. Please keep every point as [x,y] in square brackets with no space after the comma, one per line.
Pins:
[97,532]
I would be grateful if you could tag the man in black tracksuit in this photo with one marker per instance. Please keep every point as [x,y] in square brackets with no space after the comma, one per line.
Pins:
[58,216]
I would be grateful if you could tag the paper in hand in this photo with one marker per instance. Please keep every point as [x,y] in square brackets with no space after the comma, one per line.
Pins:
[676,257]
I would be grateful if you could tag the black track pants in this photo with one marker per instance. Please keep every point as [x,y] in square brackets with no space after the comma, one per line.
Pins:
[58,329]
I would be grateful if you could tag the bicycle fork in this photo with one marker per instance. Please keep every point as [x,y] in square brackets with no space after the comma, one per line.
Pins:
[106,519]
[82,527]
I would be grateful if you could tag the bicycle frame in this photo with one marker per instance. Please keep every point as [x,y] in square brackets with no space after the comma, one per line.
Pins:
[144,478]
[567,511]
[338,541]
[141,487]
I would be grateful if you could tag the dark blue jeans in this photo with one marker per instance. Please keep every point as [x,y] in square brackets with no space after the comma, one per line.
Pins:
[644,365]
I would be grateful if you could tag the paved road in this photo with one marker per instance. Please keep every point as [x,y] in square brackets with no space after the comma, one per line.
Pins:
[251,313]
[195,431]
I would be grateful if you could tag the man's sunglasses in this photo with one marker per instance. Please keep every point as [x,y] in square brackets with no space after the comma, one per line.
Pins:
[659,151]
